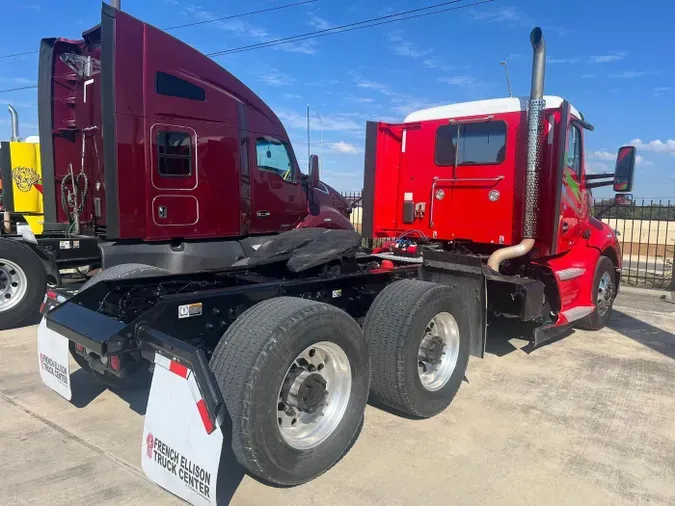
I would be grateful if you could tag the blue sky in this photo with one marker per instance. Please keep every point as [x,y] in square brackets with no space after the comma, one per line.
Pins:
[612,59]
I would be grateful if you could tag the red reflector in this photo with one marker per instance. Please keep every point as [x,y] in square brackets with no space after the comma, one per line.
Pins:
[42,307]
[178,369]
[52,295]
[387,264]
[115,362]
[204,413]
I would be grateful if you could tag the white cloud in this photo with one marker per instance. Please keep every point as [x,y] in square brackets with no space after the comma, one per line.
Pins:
[463,81]
[574,59]
[319,23]
[403,47]
[639,160]
[657,145]
[603,155]
[587,76]
[274,77]
[607,58]
[632,74]
[17,80]
[334,122]
[239,28]
[344,148]
[611,157]
[503,14]
[596,167]
[663,89]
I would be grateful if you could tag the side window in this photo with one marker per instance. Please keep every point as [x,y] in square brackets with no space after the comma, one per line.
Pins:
[481,143]
[573,151]
[273,155]
[174,154]
[172,86]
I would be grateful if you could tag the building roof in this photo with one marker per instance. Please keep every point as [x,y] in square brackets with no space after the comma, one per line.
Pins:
[483,107]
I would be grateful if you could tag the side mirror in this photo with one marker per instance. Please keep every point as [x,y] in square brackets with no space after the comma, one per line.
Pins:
[313,171]
[625,166]
[623,199]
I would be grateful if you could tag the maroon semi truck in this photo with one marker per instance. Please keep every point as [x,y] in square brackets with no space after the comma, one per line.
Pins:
[153,154]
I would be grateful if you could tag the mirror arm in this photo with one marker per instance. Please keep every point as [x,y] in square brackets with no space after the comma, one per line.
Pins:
[590,177]
[599,184]
[583,124]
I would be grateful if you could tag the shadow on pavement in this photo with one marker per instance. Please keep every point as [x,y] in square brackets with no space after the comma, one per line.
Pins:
[86,388]
[644,333]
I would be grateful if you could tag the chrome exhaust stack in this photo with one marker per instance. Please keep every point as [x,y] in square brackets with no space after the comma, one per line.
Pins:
[535,108]
[15,124]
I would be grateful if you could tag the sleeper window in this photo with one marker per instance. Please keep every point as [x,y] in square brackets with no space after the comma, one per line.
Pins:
[174,154]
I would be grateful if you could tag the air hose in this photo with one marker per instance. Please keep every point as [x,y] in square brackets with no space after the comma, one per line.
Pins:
[68,199]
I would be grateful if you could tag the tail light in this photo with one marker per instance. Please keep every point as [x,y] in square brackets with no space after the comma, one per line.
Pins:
[79,348]
[115,363]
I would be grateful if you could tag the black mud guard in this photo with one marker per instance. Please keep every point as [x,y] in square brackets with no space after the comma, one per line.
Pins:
[464,274]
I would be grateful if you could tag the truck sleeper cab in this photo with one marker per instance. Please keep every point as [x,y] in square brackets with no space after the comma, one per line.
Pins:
[152,153]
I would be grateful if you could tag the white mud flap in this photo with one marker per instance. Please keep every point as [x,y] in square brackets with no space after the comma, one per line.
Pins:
[182,446]
[54,360]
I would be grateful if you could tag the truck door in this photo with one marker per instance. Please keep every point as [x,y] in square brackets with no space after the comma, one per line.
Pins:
[573,202]
[174,180]
[279,200]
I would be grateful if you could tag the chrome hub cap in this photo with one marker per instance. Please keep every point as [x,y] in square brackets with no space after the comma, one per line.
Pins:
[605,294]
[438,351]
[13,284]
[314,395]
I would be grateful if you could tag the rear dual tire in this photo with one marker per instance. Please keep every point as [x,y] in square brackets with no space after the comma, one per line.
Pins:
[418,338]
[22,284]
[288,359]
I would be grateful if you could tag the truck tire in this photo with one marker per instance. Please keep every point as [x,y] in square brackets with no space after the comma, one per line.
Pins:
[122,271]
[418,338]
[604,291]
[22,284]
[280,365]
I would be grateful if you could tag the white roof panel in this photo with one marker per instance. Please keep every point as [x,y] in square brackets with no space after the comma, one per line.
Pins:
[483,107]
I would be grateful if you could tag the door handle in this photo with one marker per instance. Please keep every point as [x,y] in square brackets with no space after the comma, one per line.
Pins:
[162,211]
[262,214]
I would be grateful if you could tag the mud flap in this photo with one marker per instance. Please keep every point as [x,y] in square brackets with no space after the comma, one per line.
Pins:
[54,360]
[186,448]
[465,275]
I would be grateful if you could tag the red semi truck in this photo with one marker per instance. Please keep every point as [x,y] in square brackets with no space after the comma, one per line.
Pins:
[151,153]
[267,366]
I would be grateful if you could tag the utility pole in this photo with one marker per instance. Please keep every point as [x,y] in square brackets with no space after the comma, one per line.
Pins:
[508,81]
[309,148]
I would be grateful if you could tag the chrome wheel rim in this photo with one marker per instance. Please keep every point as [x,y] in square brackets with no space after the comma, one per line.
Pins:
[13,284]
[314,395]
[438,351]
[605,294]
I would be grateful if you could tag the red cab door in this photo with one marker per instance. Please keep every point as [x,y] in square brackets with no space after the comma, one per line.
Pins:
[574,206]
[279,200]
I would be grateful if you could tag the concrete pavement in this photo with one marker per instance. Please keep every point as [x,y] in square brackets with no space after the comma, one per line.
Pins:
[586,419]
